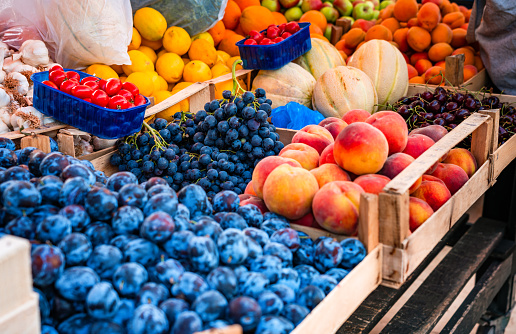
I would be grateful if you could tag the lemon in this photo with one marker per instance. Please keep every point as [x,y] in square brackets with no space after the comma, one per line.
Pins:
[202,50]
[139,63]
[136,40]
[219,69]
[227,85]
[149,53]
[168,113]
[118,69]
[162,52]
[143,81]
[102,71]
[154,45]
[163,84]
[177,40]
[150,23]
[222,56]
[206,36]
[181,85]
[155,81]
[232,60]
[196,71]
[170,67]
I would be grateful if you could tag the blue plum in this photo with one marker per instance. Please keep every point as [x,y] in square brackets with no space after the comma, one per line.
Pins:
[187,322]
[21,198]
[129,278]
[245,311]
[306,274]
[195,199]
[285,292]
[269,265]
[325,283]
[77,215]
[149,319]
[252,215]
[77,248]
[328,254]
[165,202]
[270,303]
[172,308]
[48,263]
[76,324]
[354,253]
[53,164]
[49,187]
[295,313]
[141,251]
[337,273]
[127,220]
[287,237]
[207,227]
[22,227]
[168,272]
[8,158]
[290,277]
[53,228]
[310,296]
[189,286]
[101,203]
[75,283]
[224,280]
[252,284]
[274,324]
[157,227]
[203,254]
[261,237]
[226,201]
[78,170]
[152,293]
[177,246]
[105,259]
[74,191]
[232,220]
[99,233]
[125,312]
[272,225]
[121,240]
[116,181]
[210,305]
[132,195]
[232,247]
[281,251]
[102,301]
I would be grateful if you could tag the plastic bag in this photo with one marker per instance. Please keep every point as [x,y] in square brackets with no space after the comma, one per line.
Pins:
[195,16]
[82,32]
[15,28]
[295,116]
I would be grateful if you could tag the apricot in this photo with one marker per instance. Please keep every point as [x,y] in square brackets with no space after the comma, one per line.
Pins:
[469,56]
[417,80]
[304,154]
[412,72]
[404,10]
[469,72]
[249,189]
[439,52]
[441,64]
[429,16]
[265,167]
[428,177]
[454,19]
[434,75]
[328,173]
[393,127]
[336,207]
[327,155]
[419,212]
[442,34]
[372,183]
[315,136]
[413,22]
[356,115]
[433,193]
[448,8]
[453,176]
[387,12]
[458,39]
[416,56]
[379,32]
[392,24]
[434,131]
[478,63]
[462,158]
[400,37]
[417,144]
[395,164]
[422,65]
[418,39]
[334,125]
[354,37]
[289,191]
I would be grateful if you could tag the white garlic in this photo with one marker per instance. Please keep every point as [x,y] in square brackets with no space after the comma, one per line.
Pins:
[2,75]
[5,99]
[34,53]
[5,117]
[24,67]
[23,83]
[10,64]
[4,128]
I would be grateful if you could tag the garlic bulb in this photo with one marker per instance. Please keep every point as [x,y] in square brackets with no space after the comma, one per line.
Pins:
[23,83]
[5,117]
[5,99]
[4,128]
[2,75]
[34,53]
[24,67]
[10,64]
[44,119]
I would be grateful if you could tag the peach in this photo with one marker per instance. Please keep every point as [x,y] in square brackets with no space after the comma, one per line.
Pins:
[356,115]
[453,176]
[395,164]
[372,183]
[334,125]
[418,39]
[393,127]
[469,72]
[315,136]
[307,220]
[434,131]
[327,155]
[427,177]
[336,205]
[412,72]
[434,193]
[419,212]
[289,191]
[249,189]
[254,200]
[361,149]
[265,167]
[305,155]
[328,173]
[417,144]
[464,159]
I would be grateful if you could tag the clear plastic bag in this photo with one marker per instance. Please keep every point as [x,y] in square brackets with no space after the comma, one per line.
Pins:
[195,16]
[15,28]
[295,116]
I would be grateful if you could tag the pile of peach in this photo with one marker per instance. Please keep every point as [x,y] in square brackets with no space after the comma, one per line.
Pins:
[317,180]
[425,34]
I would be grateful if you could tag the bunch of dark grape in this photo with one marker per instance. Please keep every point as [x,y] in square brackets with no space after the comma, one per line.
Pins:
[215,148]
[449,108]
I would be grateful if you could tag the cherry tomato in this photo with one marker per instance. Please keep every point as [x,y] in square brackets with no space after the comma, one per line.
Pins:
[67,86]
[292,27]
[113,86]
[82,91]
[92,84]
[282,28]
[50,84]
[272,32]
[57,77]
[277,40]
[286,35]
[73,75]
[256,35]
[102,84]
[130,105]
[131,88]
[127,94]
[55,68]
[87,99]
[100,98]
[139,100]
[266,41]
[86,79]
[118,102]
[250,42]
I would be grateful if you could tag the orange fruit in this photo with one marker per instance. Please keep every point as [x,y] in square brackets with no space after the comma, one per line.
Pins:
[280,18]
[231,15]
[315,17]
[243,4]
[228,45]
[217,32]
[256,18]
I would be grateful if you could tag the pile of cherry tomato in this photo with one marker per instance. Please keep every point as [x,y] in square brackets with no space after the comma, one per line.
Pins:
[110,93]
[274,34]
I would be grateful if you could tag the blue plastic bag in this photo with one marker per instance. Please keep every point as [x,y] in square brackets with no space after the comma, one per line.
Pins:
[295,116]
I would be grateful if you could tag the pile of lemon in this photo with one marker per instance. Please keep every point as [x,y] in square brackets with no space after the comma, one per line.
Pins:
[165,61]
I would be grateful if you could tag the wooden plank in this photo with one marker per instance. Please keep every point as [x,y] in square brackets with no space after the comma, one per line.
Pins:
[97,154]
[495,117]
[175,99]
[199,99]
[41,142]
[368,225]
[481,141]
[103,164]
[344,299]
[477,82]
[229,76]
[234,329]
[454,73]
[285,135]
[315,233]
[24,319]
[66,144]
[393,266]
[503,156]
[394,217]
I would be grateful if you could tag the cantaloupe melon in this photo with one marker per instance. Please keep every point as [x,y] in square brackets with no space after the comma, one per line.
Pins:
[342,89]
[291,83]
[385,66]
[320,58]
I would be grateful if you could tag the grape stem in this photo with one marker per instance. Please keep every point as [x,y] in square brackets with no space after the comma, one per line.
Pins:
[236,84]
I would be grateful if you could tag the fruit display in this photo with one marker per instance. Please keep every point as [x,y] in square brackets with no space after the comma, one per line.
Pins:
[320,58]
[274,34]
[112,255]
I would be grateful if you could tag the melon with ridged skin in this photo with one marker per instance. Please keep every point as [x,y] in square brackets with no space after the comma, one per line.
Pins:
[342,89]
[320,58]
[385,66]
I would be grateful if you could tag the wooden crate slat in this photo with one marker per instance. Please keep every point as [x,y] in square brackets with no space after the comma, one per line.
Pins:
[24,319]
[102,164]
[394,218]
[368,229]
[233,329]
[175,99]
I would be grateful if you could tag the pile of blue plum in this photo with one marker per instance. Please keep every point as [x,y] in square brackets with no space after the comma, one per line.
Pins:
[110,255]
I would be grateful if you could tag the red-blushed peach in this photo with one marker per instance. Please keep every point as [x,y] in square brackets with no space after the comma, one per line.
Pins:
[334,125]
[395,164]
[265,167]
[417,144]
[464,159]
[336,207]
[434,131]
[372,183]
[315,136]
[427,177]
[356,115]
[328,173]
[307,220]
[254,200]
[453,176]
[419,212]
[434,193]
[361,149]
[307,156]
[249,189]
[289,191]
[393,127]
[327,155]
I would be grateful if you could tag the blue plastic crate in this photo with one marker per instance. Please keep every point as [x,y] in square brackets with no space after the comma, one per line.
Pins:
[102,122]
[274,56]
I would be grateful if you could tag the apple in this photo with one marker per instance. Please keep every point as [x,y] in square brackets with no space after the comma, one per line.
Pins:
[364,11]
[386,3]
[272,5]
[289,3]
[376,4]
[311,5]
[293,14]
[376,14]
[330,13]
[357,2]
[327,4]
[363,24]
[350,18]
[327,31]
[344,7]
